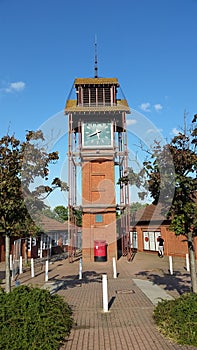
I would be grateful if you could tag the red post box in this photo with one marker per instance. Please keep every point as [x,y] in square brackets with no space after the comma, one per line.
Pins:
[100,251]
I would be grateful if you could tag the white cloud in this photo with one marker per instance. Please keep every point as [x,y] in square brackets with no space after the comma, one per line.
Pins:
[16,86]
[158,107]
[175,131]
[145,107]
[131,121]
[149,131]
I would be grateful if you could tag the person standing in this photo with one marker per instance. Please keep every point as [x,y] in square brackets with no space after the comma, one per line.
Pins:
[160,246]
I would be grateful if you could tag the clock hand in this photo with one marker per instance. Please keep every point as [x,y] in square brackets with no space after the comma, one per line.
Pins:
[97,132]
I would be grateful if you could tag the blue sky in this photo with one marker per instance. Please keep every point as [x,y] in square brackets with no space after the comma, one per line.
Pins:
[149,45]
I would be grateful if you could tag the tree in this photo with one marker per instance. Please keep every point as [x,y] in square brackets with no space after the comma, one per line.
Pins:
[20,164]
[135,206]
[62,212]
[50,213]
[59,213]
[78,216]
[181,208]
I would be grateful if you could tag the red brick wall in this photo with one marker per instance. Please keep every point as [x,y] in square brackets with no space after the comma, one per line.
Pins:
[98,183]
[174,245]
[98,189]
[2,249]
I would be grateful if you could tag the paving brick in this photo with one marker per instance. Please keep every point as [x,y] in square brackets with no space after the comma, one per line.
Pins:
[129,323]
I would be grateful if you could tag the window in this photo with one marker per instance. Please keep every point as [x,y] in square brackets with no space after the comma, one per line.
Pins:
[133,239]
[31,242]
[150,240]
[85,96]
[98,218]
[96,95]
[107,95]
[100,95]
[93,95]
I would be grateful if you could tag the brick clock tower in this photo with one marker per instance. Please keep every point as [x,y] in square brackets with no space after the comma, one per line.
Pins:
[97,143]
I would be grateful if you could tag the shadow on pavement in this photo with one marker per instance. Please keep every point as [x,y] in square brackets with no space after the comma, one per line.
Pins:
[72,281]
[111,302]
[179,282]
[2,275]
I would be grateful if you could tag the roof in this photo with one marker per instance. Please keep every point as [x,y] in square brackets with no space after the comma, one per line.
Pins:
[122,105]
[153,214]
[96,81]
[47,224]
[150,213]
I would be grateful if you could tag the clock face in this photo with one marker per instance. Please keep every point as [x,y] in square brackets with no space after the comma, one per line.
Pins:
[97,135]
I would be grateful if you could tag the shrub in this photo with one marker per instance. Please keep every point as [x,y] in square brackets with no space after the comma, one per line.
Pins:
[32,318]
[177,319]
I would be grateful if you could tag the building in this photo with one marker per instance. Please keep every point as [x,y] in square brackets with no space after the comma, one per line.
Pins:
[97,143]
[147,224]
[53,239]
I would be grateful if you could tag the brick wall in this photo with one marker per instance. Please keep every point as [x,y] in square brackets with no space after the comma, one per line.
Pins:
[99,219]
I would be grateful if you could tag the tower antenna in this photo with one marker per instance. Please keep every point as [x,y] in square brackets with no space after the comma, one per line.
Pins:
[95,59]
[185,122]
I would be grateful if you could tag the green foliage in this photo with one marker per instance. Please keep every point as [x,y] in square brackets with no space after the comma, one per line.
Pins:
[135,206]
[50,213]
[20,164]
[32,318]
[170,177]
[21,202]
[177,319]
[61,212]
[78,217]
[171,173]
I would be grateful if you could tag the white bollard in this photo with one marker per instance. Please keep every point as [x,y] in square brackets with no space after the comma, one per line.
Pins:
[170,263]
[105,293]
[114,268]
[13,272]
[47,271]
[32,267]
[80,269]
[187,262]
[21,265]
[11,263]
[41,249]
[50,248]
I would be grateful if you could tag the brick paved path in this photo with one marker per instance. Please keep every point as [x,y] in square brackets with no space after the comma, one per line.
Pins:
[129,323]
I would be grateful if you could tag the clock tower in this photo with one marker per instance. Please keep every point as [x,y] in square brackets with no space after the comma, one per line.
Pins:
[97,146]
